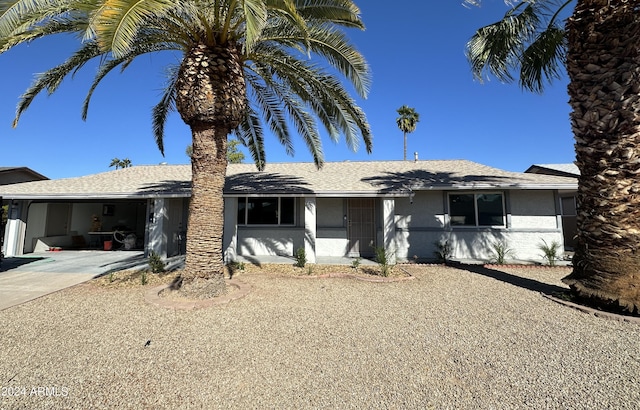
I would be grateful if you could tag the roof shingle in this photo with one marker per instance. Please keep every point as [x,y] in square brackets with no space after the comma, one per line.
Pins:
[334,179]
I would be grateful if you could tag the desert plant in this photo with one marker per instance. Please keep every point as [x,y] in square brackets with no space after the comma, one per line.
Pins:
[301,257]
[112,277]
[550,251]
[500,252]
[232,267]
[443,251]
[310,270]
[156,263]
[143,277]
[383,260]
[355,264]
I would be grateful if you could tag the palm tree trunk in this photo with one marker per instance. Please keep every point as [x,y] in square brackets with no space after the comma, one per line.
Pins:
[405,145]
[603,62]
[204,266]
[210,98]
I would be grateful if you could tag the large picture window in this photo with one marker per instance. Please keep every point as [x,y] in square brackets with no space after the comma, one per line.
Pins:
[266,211]
[476,209]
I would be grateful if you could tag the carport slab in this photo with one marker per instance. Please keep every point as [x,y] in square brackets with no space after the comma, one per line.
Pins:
[27,278]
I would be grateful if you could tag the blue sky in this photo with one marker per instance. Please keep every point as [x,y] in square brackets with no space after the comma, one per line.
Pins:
[416,53]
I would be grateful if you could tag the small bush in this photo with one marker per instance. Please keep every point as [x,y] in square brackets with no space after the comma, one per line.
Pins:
[550,252]
[301,257]
[232,267]
[143,277]
[310,270]
[355,264]
[500,252]
[443,251]
[156,263]
[383,261]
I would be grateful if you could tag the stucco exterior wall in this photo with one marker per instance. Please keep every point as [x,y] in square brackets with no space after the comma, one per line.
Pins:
[533,209]
[532,217]
[256,241]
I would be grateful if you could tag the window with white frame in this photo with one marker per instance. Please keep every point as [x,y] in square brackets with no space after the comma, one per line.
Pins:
[475,209]
[266,211]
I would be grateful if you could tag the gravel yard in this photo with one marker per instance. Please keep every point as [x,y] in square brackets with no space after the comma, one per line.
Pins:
[450,338]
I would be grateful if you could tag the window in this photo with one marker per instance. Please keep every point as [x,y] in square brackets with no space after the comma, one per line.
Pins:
[266,211]
[476,209]
[568,205]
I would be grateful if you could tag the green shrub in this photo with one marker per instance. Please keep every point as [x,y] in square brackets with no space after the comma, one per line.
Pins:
[143,277]
[156,263]
[500,252]
[383,261]
[550,252]
[355,264]
[301,257]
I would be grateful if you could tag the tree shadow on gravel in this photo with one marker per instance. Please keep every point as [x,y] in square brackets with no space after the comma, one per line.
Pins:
[519,281]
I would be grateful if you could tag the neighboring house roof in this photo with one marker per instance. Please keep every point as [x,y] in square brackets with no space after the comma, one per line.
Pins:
[16,175]
[371,178]
[562,170]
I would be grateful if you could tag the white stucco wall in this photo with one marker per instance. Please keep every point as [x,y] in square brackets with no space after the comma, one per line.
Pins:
[36,224]
[256,241]
[532,216]
[533,209]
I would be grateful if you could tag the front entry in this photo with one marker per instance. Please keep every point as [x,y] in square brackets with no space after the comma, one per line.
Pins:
[361,227]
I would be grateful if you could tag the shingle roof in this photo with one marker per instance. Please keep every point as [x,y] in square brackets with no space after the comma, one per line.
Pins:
[567,169]
[334,179]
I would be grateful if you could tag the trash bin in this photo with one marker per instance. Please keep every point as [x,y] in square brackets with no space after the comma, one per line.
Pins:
[108,245]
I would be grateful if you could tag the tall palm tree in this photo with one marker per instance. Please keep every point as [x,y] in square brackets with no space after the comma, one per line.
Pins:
[245,65]
[407,122]
[600,47]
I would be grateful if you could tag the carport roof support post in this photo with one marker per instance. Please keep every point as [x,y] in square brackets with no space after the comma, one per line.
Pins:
[157,224]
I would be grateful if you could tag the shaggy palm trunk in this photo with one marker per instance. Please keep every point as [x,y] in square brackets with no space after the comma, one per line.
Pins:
[211,96]
[604,67]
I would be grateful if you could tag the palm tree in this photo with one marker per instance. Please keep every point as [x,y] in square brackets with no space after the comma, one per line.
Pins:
[245,66]
[600,47]
[120,163]
[407,122]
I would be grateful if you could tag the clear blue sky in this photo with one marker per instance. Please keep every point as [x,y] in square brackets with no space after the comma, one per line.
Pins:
[416,53]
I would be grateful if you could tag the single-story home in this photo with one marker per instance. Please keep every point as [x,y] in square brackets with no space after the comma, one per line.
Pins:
[344,209]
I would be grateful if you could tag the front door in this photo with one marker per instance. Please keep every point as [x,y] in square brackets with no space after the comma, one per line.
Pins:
[361,227]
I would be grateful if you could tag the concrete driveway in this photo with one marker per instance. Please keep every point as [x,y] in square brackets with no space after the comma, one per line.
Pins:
[29,277]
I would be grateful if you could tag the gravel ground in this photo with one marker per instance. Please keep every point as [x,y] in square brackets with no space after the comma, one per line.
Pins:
[448,339]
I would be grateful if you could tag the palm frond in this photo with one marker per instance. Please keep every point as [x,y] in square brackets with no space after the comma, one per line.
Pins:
[251,134]
[529,41]
[333,45]
[321,92]
[107,65]
[269,104]
[543,59]
[342,12]
[28,33]
[51,79]
[165,106]
[255,19]
[118,21]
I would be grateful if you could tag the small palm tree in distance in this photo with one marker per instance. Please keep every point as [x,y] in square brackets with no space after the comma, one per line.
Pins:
[407,121]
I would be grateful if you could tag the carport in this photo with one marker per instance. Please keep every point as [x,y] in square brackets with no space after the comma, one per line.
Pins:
[29,277]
